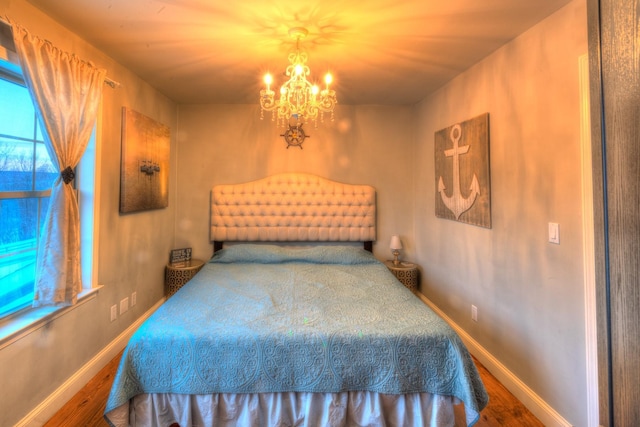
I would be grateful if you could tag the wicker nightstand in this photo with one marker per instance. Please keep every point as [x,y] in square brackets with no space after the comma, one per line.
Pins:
[406,273]
[176,276]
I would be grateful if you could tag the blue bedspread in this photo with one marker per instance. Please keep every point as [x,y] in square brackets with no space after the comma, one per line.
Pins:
[260,318]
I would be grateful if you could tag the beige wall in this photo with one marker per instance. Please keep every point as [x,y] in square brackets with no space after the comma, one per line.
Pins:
[219,144]
[529,292]
[132,249]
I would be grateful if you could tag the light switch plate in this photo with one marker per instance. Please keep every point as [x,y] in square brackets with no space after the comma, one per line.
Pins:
[554,233]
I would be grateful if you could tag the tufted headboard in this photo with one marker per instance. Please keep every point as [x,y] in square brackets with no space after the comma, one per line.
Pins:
[293,207]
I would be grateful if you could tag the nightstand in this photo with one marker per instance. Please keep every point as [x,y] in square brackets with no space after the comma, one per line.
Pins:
[406,273]
[177,275]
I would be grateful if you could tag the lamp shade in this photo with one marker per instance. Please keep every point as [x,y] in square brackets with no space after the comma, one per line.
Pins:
[395,242]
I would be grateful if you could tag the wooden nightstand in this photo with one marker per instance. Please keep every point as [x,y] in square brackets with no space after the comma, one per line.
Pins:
[406,273]
[177,275]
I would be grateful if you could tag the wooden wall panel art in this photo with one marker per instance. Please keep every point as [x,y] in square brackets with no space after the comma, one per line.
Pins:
[144,170]
[463,184]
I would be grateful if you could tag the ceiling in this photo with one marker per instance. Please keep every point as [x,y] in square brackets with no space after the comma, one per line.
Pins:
[379,51]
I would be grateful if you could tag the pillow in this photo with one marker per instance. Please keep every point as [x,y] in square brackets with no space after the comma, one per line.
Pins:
[272,254]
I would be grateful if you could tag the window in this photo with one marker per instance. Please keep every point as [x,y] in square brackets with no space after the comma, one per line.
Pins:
[26,177]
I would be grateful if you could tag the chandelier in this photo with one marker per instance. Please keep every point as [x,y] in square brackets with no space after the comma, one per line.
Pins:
[299,99]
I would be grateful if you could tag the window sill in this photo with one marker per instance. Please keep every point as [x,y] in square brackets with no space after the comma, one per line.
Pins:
[22,324]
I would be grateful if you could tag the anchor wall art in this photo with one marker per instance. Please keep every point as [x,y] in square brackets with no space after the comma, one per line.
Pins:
[144,170]
[463,184]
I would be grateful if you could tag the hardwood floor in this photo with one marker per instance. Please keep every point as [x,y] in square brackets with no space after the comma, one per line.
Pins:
[503,408]
[87,406]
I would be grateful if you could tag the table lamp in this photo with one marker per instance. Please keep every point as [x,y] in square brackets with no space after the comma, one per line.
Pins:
[395,246]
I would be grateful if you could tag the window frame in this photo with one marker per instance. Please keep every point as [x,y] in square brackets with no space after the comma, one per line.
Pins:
[27,319]
[9,72]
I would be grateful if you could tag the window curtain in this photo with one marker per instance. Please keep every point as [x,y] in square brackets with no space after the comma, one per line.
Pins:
[66,93]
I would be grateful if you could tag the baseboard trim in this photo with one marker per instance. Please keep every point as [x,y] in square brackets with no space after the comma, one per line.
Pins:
[543,411]
[56,400]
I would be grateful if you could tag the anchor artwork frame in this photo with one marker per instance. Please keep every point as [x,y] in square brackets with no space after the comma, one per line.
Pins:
[462,172]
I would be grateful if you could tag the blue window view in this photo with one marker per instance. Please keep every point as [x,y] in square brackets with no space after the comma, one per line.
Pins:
[26,176]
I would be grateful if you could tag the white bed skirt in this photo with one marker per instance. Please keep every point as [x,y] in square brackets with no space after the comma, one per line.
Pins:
[289,409]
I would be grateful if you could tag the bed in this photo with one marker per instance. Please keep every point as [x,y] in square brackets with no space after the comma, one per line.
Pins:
[319,334]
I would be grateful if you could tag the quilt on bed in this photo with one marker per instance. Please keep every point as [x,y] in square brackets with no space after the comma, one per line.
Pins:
[261,318]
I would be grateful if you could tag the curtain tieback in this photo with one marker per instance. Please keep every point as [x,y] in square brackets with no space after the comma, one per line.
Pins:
[67,175]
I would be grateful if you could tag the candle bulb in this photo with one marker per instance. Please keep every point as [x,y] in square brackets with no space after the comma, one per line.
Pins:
[268,80]
[328,79]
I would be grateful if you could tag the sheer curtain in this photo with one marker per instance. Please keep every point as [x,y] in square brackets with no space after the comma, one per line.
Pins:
[66,93]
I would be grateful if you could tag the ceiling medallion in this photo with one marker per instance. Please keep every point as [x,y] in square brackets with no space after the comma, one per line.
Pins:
[299,100]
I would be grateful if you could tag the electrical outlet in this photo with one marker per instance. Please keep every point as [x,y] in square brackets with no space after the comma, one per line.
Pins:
[124,305]
[134,297]
[474,313]
[114,312]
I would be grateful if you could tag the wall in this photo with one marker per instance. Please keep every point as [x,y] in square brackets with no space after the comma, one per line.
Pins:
[132,249]
[219,144]
[529,292]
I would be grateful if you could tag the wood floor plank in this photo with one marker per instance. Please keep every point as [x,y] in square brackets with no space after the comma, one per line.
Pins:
[503,409]
[87,406]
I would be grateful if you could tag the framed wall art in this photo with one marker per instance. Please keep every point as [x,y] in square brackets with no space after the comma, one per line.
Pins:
[463,184]
[180,257]
[144,169]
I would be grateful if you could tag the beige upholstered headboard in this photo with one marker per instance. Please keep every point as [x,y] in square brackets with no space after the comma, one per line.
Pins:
[293,207]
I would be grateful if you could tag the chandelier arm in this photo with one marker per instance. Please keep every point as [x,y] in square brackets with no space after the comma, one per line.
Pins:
[299,98]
